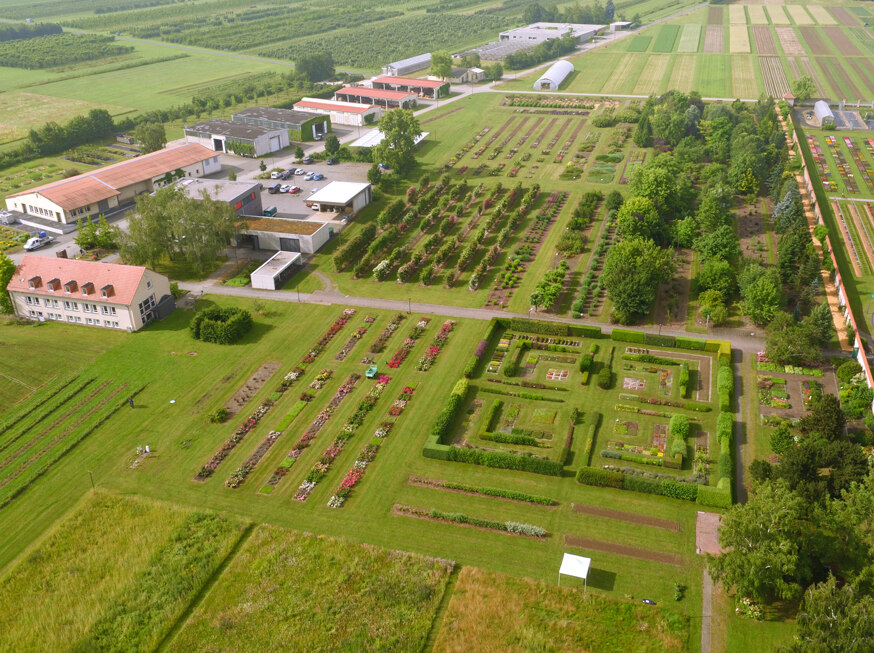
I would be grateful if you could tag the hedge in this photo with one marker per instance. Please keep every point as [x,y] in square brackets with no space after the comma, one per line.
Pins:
[605,378]
[600,477]
[714,497]
[470,369]
[687,491]
[495,408]
[568,445]
[697,406]
[586,362]
[641,484]
[725,465]
[502,460]
[695,344]
[222,326]
[683,381]
[447,415]
[725,386]
[679,426]
[510,438]
[624,335]
[659,340]
[649,358]
[593,420]
[724,430]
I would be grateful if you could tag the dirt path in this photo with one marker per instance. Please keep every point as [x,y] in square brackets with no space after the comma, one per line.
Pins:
[621,549]
[707,541]
[629,517]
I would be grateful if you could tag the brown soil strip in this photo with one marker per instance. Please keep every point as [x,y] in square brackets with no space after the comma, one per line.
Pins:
[841,41]
[419,513]
[849,84]
[813,38]
[714,40]
[545,132]
[418,481]
[715,15]
[442,115]
[864,74]
[843,16]
[629,517]
[251,387]
[789,41]
[707,533]
[808,66]
[500,130]
[621,549]
[527,134]
[764,41]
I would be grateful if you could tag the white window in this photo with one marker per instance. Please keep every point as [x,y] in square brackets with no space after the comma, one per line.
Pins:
[29,300]
[32,313]
[71,306]
[79,319]
[70,318]
[86,308]
[115,324]
[93,308]
[55,303]
[88,320]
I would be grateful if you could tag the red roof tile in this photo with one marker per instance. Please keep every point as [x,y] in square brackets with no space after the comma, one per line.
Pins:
[332,105]
[379,93]
[124,279]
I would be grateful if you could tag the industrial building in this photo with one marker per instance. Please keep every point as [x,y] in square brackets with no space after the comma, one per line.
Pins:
[243,196]
[407,66]
[341,113]
[90,293]
[344,197]
[237,138]
[551,80]
[103,190]
[426,88]
[301,126]
[377,96]
[284,235]
[537,33]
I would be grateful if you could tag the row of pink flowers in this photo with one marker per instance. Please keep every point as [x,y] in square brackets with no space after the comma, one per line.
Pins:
[209,468]
[405,349]
[356,337]
[332,331]
[440,340]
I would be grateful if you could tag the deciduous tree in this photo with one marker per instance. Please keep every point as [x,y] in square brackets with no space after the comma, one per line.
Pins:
[7,269]
[441,64]
[632,273]
[397,149]
[151,136]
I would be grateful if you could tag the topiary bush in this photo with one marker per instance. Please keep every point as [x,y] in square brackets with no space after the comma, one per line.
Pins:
[222,326]
[847,371]
[605,378]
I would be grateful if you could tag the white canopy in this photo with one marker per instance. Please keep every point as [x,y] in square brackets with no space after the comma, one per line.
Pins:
[572,565]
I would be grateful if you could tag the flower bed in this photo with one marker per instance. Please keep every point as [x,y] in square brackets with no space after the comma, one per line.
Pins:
[379,346]
[368,453]
[332,331]
[310,434]
[401,354]
[209,468]
[355,339]
[239,477]
[440,339]
[320,469]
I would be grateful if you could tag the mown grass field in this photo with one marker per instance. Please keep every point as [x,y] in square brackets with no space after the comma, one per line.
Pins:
[183,440]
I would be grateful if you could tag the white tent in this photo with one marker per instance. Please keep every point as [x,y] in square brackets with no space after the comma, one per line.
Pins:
[578,566]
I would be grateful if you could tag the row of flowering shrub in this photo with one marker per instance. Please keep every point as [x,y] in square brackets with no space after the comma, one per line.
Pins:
[440,340]
[368,453]
[405,349]
[320,469]
[239,476]
[332,331]
[209,468]
[309,435]
[355,339]
[379,346]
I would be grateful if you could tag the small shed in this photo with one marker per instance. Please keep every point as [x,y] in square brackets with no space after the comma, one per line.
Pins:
[306,236]
[823,113]
[278,269]
[551,80]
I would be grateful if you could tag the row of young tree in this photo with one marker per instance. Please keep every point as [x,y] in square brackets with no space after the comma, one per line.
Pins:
[14,31]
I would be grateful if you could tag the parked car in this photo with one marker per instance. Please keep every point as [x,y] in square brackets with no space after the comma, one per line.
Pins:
[274,188]
[300,171]
[286,188]
[318,176]
[270,211]
[285,175]
[309,176]
[38,241]
[308,159]
[332,161]
[275,174]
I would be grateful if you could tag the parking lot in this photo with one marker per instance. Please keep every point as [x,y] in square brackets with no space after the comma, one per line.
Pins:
[292,206]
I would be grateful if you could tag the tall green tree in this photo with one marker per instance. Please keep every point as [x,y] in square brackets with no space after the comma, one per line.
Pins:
[803,88]
[765,542]
[762,299]
[7,269]
[151,136]
[332,144]
[639,217]
[171,225]
[441,64]
[397,149]
[632,273]
[834,619]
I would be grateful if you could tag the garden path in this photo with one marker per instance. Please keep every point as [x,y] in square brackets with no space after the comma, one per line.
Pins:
[706,541]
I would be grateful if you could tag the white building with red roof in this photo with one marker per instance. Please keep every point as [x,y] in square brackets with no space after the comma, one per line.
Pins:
[384,98]
[90,293]
[105,189]
[428,88]
[355,114]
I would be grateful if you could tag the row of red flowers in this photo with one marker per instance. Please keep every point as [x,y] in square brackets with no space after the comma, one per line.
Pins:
[379,346]
[405,349]
[354,340]
[209,468]
[440,340]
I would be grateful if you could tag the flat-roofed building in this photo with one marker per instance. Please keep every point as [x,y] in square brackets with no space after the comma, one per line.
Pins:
[278,269]
[90,293]
[378,96]
[306,236]
[237,137]
[537,33]
[408,65]
[103,190]
[243,196]
[301,125]
[341,113]
[344,197]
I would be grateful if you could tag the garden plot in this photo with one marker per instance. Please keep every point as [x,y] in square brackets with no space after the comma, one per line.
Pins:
[689,38]
[813,38]
[715,15]
[738,39]
[737,15]
[864,73]
[840,79]
[743,78]
[757,15]
[666,38]
[764,41]
[714,40]
[821,15]
[841,41]
[843,16]
[683,73]
[844,170]
[639,43]
[778,15]
[381,596]
[865,169]
[653,76]
[789,40]
[774,76]
[799,15]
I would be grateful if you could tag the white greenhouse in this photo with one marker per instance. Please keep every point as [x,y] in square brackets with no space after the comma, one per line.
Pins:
[552,78]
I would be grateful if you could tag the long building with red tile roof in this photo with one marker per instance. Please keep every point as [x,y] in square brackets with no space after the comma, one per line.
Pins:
[105,189]
[341,113]
[385,98]
[90,293]
[429,88]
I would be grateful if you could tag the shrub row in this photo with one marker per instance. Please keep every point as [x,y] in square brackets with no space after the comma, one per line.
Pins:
[447,415]
[702,494]
[725,386]
[221,325]
[568,445]
[503,460]
[510,438]
[683,381]
[354,248]
[680,342]
[509,526]
[494,411]
[649,358]
[489,491]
